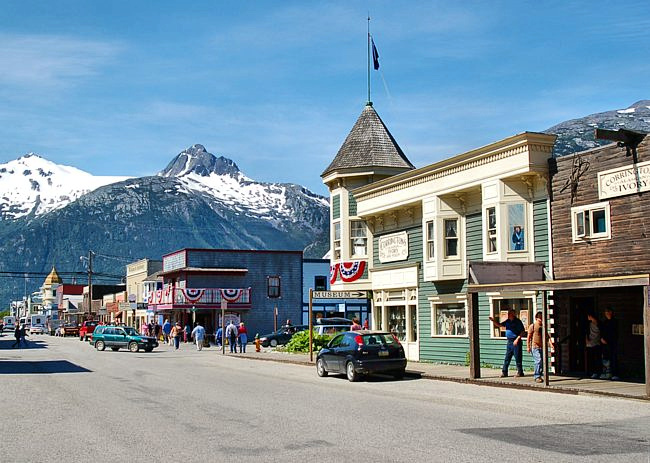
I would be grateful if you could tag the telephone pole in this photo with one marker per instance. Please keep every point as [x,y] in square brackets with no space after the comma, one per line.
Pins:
[90,283]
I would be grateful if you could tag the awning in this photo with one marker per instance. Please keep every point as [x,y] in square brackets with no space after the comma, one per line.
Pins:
[556,285]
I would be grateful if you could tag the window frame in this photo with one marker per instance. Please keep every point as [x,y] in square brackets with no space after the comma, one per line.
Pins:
[336,241]
[492,232]
[271,279]
[509,298]
[320,287]
[447,239]
[434,305]
[430,240]
[587,223]
[356,226]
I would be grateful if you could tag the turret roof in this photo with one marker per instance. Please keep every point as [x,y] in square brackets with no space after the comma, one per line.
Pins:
[369,144]
[52,278]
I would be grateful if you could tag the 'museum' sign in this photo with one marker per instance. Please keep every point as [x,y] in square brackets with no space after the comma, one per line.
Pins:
[393,247]
[624,180]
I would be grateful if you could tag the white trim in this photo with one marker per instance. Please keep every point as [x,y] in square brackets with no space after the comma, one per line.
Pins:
[587,236]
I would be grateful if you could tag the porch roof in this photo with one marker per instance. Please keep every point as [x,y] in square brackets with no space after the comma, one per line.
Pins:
[553,285]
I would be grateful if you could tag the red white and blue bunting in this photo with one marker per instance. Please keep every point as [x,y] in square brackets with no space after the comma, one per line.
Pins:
[334,273]
[192,294]
[352,271]
[232,295]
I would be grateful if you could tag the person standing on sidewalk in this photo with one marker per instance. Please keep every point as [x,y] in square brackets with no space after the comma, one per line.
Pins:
[592,344]
[609,340]
[198,333]
[167,328]
[243,338]
[231,334]
[535,345]
[514,332]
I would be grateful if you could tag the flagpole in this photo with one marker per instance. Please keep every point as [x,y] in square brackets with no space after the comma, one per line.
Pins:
[369,101]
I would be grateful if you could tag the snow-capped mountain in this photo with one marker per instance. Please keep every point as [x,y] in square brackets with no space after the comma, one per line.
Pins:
[220,178]
[32,185]
[578,134]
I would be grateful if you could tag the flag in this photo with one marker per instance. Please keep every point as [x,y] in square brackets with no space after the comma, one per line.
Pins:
[375,55]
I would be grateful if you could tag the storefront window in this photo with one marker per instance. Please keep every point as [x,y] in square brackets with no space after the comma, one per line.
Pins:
[450,319]
[523,310]
[414,324]
[397,322]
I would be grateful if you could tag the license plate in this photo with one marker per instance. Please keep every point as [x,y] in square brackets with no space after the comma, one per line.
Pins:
[383,353]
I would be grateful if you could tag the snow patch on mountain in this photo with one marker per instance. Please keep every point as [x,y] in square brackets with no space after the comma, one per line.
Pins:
[33,185]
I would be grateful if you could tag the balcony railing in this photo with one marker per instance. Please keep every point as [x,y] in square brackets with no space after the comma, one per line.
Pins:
[190,296]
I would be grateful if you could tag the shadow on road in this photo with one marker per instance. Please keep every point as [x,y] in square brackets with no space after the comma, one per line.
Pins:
[25,367]
[6,342]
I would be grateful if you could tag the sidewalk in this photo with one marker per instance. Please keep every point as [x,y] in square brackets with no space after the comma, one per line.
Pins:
[489,376]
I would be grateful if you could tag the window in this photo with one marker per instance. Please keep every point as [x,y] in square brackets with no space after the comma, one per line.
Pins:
[451,237]
[523,308]
[358,240]
[516,228]
[273,286]
[337,241]
[320,283]
[397,322]
[591,222]
[430,241]
[449,319]
[491,221]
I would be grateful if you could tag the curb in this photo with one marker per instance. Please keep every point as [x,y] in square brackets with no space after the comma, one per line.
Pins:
[479,382]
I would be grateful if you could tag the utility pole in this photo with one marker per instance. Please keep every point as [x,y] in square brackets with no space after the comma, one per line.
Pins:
[90,283]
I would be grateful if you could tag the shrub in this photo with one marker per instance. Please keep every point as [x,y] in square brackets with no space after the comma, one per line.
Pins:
[300,342]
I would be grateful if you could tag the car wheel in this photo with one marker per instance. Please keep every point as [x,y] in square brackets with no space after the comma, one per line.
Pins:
[115,349]
[99,345]
[399,374]
[350,373]
[320,368]
[274,343]
[133,347]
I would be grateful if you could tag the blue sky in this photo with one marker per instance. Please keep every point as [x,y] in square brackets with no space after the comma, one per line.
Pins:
[121,87]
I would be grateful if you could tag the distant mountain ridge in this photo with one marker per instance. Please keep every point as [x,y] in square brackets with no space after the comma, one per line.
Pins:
[578,134]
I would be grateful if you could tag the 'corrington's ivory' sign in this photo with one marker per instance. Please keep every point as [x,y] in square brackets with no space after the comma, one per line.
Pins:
[624,180]
[393,247]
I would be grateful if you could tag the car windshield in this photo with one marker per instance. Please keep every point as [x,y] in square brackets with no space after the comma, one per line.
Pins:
[130,331]
[378,339]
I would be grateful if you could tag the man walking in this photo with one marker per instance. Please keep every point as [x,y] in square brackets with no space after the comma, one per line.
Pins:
[231,334]
[19,334]
[514,332]
[198,333]
[167,328]
[535,345]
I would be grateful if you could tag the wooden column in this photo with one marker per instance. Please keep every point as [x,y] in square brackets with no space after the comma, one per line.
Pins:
[473,332]
[646,338]
[544,335]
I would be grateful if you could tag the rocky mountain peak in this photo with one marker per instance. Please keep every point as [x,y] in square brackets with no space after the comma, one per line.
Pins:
[196,159]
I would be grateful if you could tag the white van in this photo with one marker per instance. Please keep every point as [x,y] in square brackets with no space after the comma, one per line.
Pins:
[9,323]
[37,325]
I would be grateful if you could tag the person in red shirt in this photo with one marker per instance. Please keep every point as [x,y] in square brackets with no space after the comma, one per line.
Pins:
[243,338]
[355,325]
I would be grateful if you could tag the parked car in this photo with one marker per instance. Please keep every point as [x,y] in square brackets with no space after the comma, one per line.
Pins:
[86,330]
[330,330]
[281,336]
[364,352]
[37,329]
[334,321]
[69,329]
[117,337]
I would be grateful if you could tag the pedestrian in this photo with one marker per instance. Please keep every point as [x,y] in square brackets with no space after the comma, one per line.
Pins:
[218,335]
[176,334]
[514,332]
[592,344]
[167,328]
[17,336]
[365,324]
[243,338]
[609,341]
[355,325]
[231,334]
[188,332]
[288,322]
[157,330]
[198,333]
[150,329]
[534,342]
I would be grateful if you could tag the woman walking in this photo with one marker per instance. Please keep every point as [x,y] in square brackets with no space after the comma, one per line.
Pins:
[243,338]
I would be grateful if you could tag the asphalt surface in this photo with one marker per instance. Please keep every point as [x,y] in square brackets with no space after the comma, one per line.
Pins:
[63,401]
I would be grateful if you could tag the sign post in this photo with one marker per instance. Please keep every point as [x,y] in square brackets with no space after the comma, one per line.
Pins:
[224,306]
[311,325]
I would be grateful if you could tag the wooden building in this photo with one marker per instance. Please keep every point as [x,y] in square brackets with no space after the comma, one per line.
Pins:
[600,202]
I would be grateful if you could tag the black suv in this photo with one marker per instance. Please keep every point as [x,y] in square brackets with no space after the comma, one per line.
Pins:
[116,337]
[357,353]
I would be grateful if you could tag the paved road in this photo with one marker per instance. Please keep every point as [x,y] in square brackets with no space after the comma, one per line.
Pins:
[63,401]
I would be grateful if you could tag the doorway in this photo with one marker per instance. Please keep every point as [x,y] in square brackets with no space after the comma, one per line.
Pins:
[579,308]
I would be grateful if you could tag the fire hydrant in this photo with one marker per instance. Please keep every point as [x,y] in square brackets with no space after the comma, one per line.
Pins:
[257,343]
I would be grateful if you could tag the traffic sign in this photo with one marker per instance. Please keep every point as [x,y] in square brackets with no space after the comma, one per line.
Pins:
[340,294]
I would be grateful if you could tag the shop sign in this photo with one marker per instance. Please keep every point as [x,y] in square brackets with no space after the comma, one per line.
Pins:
[627,180]
[393,247]
[340,295]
